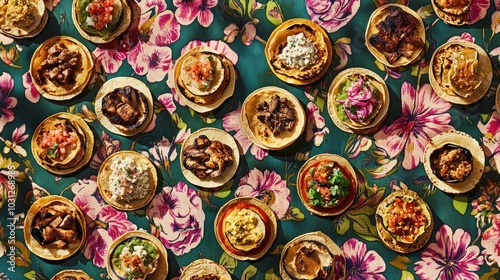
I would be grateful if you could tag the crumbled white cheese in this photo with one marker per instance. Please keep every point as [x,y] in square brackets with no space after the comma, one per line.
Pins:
[299,52]
[128,180]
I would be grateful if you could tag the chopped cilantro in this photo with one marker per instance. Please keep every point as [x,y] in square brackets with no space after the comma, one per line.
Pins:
[53,151]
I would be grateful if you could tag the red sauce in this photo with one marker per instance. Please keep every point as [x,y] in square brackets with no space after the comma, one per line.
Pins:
[343,203]
[263,216]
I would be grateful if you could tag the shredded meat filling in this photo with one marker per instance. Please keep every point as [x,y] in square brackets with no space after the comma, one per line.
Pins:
[451,164]
[277,115]
[395,35]
[60,64]
[205,277]
[207,158]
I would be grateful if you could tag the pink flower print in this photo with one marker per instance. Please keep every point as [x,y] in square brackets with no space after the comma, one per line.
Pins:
[18,137]
[478,10]
[106,147]
[163,151]
[491,242]
[450,257]
[231,31]
[167,100]
[150,60]
[232,122]
[268,187]
[360,263]
[248,33]
[7,103]
[30,92]
[165,29]
[6,40]
[424,115]
[316,128]
[98,243]
[188,10]
[491,139]
[332,15]
[463,37]
[177,212]
[111,55]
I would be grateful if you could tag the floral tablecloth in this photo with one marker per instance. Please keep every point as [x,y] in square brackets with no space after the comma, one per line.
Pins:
[465,243]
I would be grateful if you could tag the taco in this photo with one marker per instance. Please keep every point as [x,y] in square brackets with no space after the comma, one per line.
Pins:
[54,228]
[453,12]
[299,51]
[61,67]
[358,101]
[273,118]
[124,105]
[137,255]
[127,180]
[204,78]
[460,72]
[70,274]
[22,18]
[454,162]
[101,21]
[209,157]
[327,184]
[205,269]
[312,255]
[395,35]
[245,228]
[62,143]
[404,221]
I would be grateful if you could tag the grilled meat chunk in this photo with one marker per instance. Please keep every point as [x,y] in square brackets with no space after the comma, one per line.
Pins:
[276,114]
[125,106]
[395,35]
[60,64]
[207,157]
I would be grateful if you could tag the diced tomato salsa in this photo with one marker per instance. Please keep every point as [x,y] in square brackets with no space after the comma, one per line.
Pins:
[101,12]
[405,219]
[58,142]
[201,71]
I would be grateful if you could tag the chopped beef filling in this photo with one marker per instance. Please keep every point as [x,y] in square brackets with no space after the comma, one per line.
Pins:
[60,64]
[124,106]
[207,158]
[451,164]
[395,35]
[277,115]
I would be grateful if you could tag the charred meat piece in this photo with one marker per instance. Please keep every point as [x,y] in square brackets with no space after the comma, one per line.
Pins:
[56,225]
[125,106]
[395,35]
[276,114]
[207,157]
[205,277]
[60,64]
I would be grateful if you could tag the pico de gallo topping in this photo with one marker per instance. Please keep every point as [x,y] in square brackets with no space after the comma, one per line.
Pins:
[405,219]
[327,185]
[101,13]
[58,142]
[202,72]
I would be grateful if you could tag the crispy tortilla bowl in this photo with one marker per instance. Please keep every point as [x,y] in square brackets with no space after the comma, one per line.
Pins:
[76,156]
[305,175]
[454,15]
[380,15]
[18,26]
[230,234]
[83,70]
[125,92]
[213,134]
[458,139]
[278,40]
[122,27]
[311,254]
[410,242]
[260,133]
[381,104]
[35,226]
[160,267]
[72,274]
[204,100]
[106,171]
[442,73]
[204,268]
